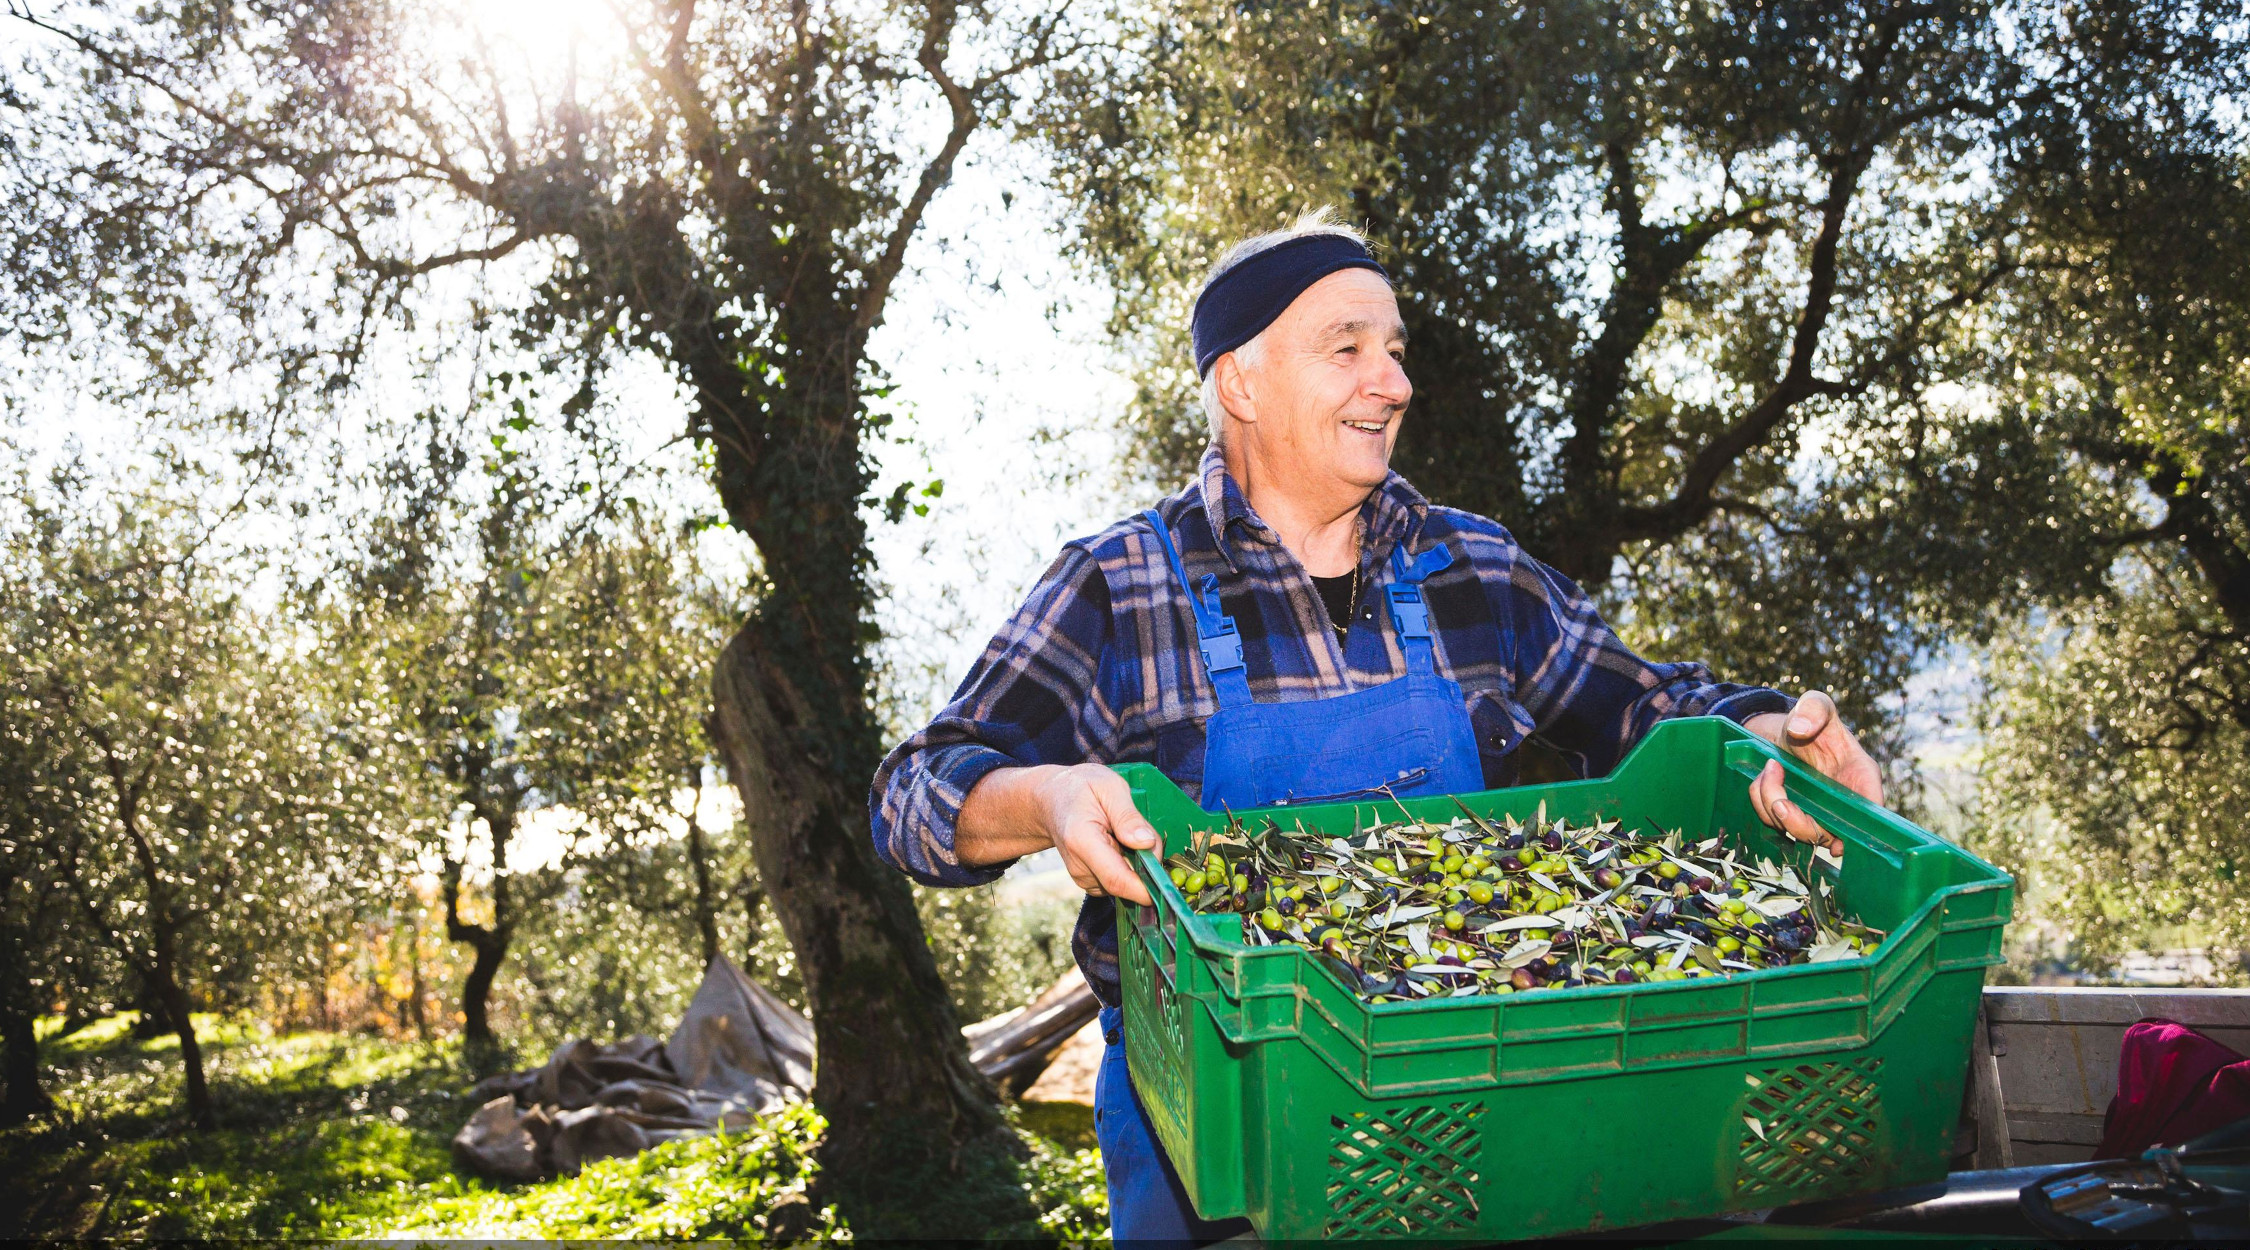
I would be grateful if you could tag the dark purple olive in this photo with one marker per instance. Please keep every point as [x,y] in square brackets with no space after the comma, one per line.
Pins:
[1764,927]
[1286,905]
[1563,940]
[1451,961]
[1789,940]
[1608,878]
[1553,841]
[1515,841]
[1524,979]
[1511,863]
[1626,976]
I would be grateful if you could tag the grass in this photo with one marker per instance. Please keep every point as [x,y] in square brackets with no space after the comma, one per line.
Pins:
[333,1135]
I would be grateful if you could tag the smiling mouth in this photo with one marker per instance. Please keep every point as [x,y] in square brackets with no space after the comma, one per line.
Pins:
[1368,427]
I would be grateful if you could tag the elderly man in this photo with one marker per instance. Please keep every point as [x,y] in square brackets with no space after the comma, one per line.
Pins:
[1298,624]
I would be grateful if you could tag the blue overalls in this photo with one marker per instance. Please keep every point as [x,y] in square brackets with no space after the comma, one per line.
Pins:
[1409,736]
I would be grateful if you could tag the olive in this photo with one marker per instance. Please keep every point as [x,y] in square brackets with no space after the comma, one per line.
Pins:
[1624,976]
[1536,935]
[1455,920]
[1435,845]
[1668,870]
[1194,883]
[1329,885]
[1727,945]
[1524,979]
[1214,865]
[1479,892]
[1735,906]
[1338,910]
[1241,884]
[1269,919]
[1788,940]
[1179,877]
[1608,878]
[1286,905]
[1383,864]
[1510,863]
[1553,841]
[1515,841]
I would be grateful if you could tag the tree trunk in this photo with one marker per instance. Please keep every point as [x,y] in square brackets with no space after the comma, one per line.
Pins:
[19,1066]
[20,1009]
[175,1000]
[905,1107]
[706,908]
[490,942]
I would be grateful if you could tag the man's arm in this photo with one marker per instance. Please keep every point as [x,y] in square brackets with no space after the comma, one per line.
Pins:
[1000,772]
[1084,811]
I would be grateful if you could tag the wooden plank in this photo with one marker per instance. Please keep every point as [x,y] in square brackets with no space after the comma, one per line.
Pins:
[2054,1052]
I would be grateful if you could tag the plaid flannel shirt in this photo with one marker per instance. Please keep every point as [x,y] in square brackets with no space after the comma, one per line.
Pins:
[1101,664]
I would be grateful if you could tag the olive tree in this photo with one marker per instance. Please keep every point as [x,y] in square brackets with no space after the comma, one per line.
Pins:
[1723,309]
[729,189]
[194,807]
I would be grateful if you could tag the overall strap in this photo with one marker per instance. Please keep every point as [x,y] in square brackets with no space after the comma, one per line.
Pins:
[1214,630]
[1409,615]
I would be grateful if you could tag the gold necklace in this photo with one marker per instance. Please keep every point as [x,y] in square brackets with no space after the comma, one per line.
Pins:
[1351,604]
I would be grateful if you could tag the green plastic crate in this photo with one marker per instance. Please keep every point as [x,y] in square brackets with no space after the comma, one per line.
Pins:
[1283,1097]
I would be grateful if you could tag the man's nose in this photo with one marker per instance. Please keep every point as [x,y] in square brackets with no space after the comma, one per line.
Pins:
[1387,382]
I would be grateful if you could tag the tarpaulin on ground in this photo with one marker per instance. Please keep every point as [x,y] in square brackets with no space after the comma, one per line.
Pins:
[738,1052]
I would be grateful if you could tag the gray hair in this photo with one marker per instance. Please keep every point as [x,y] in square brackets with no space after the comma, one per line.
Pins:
[1251,355]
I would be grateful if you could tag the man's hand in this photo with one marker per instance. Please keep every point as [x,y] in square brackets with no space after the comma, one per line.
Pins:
[1812,732]
[1084,811]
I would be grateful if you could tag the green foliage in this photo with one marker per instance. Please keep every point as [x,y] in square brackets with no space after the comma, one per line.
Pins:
[1781,326]
[328,1136]
[2117,771]
[995,955]
[710,1187]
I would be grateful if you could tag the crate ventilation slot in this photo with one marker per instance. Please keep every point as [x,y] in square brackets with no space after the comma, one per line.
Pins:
[1807,1126]
[1404,1171]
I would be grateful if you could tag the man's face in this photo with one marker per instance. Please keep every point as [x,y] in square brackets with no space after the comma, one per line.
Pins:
[1329,392]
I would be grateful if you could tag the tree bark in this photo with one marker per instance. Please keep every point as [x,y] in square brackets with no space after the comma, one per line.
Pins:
[489,942]
[19,1066]
[164,976]
[892,1075]
[706,908]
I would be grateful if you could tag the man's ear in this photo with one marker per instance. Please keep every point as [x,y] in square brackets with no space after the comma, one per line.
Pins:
[1234,389]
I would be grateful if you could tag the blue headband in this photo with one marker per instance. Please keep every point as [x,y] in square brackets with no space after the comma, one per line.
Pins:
[1246,299]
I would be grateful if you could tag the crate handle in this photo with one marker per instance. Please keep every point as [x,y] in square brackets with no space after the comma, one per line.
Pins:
[1888,846]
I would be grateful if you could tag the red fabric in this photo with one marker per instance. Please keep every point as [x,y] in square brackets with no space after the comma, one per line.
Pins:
[2173,1085]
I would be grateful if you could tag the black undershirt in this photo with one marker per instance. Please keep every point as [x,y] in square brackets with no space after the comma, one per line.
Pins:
[1336,595]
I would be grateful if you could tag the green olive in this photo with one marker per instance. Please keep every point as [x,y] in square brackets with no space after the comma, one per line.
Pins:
[1269,919]
[1455,920]
[1329,885]
[1384,865]
[1179,877]
[1452,898]
[1479,892]
[1735,906]
[1194,883]
[1241,884]
[1727,945]
[1296,893]
[1668,870]
[1338,910]
[1453,864]
[1536,935]
[1436,845]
